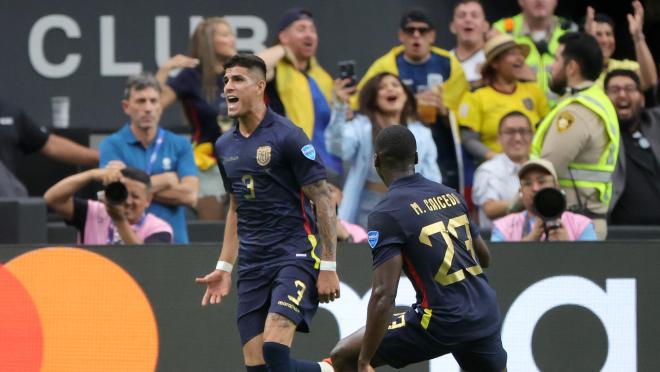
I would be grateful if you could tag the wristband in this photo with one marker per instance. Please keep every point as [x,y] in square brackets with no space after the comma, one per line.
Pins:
[224,266]
[328,266]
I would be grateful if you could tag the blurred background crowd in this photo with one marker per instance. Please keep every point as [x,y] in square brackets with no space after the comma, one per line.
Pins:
[520,100]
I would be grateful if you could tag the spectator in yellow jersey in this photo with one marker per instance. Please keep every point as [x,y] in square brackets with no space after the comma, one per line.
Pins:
[602,28]
[539,28]
[481,111]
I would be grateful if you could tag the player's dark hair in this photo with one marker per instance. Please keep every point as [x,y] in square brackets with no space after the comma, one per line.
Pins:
[510,115]
[137,175]
[368,101]
[585,51]
[396,148]
[416,15]
[621,72]
[249,61]
[139,82]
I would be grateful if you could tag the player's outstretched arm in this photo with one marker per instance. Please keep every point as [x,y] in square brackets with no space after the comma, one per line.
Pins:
[483,253]
[385,283]
[328,282]
[218,282]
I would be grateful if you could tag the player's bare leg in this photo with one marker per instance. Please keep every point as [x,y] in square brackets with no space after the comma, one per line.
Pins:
[345,354]
[252,352]
[277,340]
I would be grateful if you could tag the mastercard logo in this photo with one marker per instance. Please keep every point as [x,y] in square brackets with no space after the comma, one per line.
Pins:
[68,309]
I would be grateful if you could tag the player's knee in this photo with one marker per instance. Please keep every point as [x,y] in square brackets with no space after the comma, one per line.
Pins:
[340,356]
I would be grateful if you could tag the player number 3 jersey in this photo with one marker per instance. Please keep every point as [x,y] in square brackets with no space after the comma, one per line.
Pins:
[266,172]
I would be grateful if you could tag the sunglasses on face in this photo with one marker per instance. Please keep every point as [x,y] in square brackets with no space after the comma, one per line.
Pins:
[411,30]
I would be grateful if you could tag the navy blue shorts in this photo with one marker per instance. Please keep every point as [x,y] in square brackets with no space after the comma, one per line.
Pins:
[407,342]
[286,290]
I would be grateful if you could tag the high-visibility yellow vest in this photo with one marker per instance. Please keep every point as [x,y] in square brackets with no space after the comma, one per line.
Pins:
[540,63]
[597,175]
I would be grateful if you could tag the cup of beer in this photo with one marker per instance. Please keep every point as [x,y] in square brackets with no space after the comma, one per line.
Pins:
[427,112]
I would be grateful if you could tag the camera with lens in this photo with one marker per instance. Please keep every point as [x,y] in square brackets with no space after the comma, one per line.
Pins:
[116,193]
[549,204]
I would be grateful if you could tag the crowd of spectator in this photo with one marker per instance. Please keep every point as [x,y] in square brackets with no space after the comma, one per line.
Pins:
[531,86]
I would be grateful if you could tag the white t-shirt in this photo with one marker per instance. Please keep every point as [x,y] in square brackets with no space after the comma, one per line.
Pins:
[472,65]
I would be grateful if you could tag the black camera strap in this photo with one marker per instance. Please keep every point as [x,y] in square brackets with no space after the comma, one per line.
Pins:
[577,194]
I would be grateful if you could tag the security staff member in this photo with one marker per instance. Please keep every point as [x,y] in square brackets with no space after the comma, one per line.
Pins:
[538,27]
[580,136]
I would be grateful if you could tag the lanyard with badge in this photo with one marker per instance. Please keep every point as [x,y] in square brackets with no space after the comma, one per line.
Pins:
[152,155]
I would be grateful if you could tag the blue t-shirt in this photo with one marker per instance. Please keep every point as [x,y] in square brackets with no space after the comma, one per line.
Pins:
[414,75]
[174,155]
[202,114]
[266,172]
[322,115]
[427,224]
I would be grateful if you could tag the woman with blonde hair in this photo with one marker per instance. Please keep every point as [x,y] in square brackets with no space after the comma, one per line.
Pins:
[199,87]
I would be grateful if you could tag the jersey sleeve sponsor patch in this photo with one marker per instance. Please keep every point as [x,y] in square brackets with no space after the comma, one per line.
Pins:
[372,238]
[309,151]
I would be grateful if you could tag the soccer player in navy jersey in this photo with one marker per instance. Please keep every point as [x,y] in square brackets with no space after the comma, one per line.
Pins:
[272,172]
[422,228]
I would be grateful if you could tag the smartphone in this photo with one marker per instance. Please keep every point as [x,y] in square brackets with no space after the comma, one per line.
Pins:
[347,71]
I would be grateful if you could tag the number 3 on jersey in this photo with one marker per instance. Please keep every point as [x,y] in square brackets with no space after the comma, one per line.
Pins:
[248,181]
[443,276]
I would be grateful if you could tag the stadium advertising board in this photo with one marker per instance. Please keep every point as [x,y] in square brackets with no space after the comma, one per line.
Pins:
[566,307]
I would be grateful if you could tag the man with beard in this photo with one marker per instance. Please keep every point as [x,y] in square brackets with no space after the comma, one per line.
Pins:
[580,136]
[636,196]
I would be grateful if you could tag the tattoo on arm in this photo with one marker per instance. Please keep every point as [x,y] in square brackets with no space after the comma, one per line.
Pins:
[319,193]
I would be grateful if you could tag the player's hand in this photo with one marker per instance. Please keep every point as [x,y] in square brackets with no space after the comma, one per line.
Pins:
[327,286]
[218,283]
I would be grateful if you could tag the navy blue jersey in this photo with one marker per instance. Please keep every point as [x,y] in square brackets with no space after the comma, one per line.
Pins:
[427,224]
[266,172]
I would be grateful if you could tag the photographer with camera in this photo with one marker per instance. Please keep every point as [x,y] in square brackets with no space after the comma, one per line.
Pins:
[545,216]
[120,217]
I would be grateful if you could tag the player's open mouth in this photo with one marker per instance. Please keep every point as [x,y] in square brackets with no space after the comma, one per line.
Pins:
[232,99]
[392,98]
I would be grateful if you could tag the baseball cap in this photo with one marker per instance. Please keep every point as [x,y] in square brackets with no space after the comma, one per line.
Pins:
[292,15]
[537,164]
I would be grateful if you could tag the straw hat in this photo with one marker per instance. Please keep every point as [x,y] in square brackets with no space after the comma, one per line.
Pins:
[499,44]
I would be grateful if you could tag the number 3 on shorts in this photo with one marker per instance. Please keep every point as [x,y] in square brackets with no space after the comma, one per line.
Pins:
[443,276]
[301,291]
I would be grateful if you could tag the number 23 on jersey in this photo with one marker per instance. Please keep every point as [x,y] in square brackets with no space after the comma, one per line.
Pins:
[449,234]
